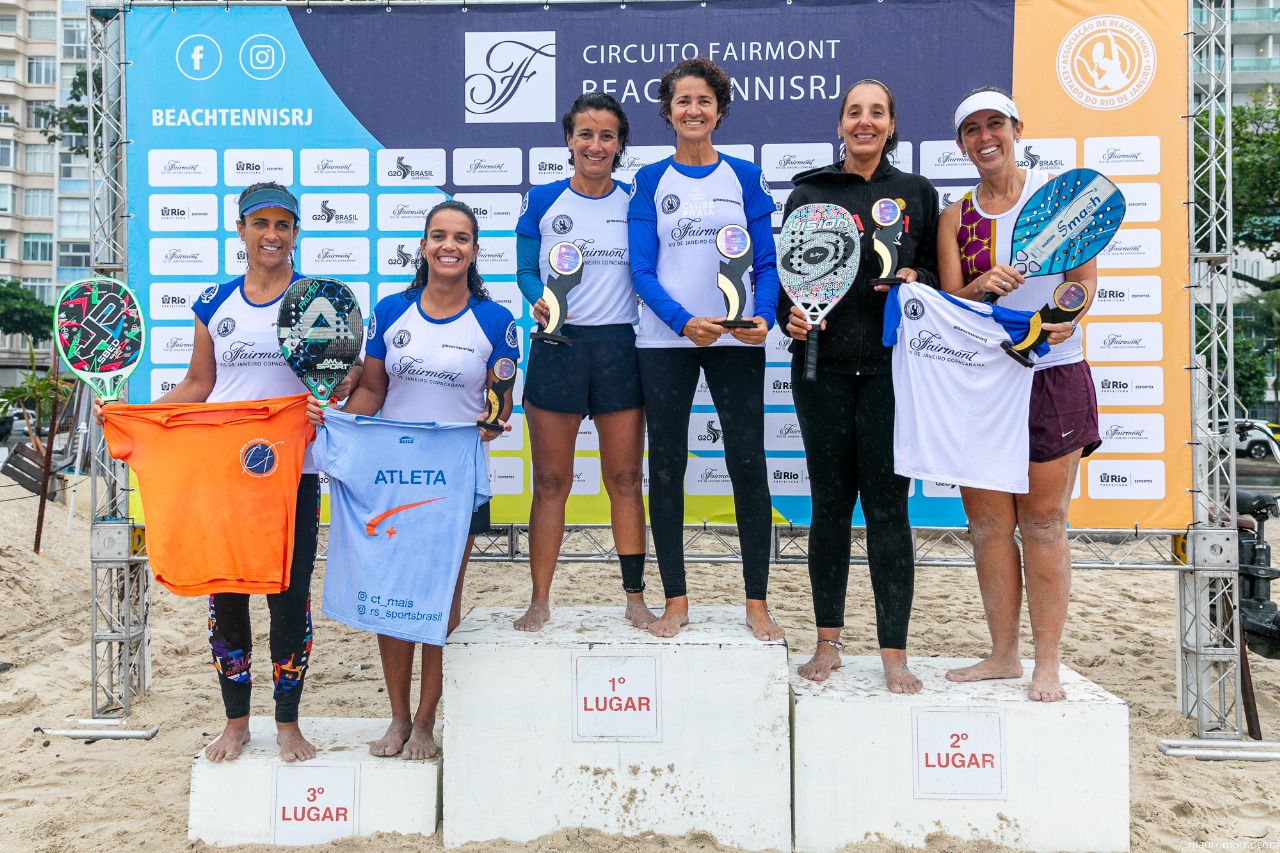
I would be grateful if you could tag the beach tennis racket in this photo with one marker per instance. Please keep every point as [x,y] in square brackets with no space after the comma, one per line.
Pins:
[1065,223]
[320,329]
[818,256]
[100,334]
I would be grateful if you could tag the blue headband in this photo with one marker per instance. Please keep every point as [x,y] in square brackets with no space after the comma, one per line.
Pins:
[268,197]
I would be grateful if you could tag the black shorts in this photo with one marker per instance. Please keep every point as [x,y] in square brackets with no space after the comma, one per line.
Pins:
[480,520]
[595,376]
[1064,412]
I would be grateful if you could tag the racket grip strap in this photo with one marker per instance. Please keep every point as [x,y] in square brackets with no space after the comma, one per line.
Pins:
[811,355]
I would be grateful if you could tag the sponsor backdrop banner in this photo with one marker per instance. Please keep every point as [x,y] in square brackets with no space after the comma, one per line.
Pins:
[445,102]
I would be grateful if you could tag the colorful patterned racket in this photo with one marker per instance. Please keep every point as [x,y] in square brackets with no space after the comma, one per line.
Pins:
[818,257]
[1065,223]
[100,334]
[320,328]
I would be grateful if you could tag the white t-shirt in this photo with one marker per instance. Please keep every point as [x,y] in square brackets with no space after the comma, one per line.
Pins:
[962,402]
[555,213]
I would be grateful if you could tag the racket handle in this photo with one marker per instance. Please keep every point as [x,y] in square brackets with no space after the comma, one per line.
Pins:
[811,356]
[989,298]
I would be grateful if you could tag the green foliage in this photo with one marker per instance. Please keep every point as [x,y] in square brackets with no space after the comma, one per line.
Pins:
[73,118]
[22,313]
[1250,371]
[1255,172]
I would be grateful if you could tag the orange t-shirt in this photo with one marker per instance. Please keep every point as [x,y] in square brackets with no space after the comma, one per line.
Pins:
[219,484]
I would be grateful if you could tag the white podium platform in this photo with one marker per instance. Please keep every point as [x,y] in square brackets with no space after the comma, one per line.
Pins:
[595,724]
[260,799]
[977,760]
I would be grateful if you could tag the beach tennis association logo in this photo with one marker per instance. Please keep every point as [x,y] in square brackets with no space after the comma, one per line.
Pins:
[258,457]
[510,77]
[1106,62]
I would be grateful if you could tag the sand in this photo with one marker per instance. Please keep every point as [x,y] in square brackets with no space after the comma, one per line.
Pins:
[69,796]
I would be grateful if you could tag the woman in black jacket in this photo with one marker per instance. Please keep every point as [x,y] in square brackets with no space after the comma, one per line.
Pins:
[846,416]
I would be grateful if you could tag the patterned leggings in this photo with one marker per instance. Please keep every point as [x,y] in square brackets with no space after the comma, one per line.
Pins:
[231,636]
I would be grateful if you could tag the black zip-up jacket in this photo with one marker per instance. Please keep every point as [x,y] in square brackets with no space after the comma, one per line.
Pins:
[851,342]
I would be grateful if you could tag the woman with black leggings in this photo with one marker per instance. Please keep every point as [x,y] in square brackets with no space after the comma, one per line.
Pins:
[846,416]
[678,207]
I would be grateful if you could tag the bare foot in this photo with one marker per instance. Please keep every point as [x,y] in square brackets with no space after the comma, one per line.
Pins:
[825,658]
[675,617]
[293,746]
[897,677]
[535,617]
[638,613]
[987,669]
[228,745]
[1045,686]
[393,741]
[421,745]
[760,622]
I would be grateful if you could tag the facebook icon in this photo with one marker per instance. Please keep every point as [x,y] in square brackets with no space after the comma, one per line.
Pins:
[199,57]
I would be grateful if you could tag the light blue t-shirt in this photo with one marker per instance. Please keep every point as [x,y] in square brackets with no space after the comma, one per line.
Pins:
[401,497]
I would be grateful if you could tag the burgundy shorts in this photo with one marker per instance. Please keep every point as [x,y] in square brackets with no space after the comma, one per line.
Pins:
[1064,412]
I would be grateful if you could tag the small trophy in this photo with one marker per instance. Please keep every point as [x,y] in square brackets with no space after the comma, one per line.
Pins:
[888,216]
[495,396]
[734,245]
[1069,299]
[565,260]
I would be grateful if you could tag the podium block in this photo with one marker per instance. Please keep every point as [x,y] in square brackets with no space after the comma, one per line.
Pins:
[977,761]
[592,723]
[261,799]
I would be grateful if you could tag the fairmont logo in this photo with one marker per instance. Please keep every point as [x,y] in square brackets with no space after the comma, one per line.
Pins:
[711,475]
[1118,431]
[176,256]
[330,255]
[1119,342]
[509,77]
[333,167]
[1115,155]
[480,165]
[685,230]
[948,159]
[928,342]
[174,167]
[790,161]
[405,210]
[789,430]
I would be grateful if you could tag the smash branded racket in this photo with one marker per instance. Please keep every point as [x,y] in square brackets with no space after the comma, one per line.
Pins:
[818,258]
[1065,223]
[320,328]
[100,334]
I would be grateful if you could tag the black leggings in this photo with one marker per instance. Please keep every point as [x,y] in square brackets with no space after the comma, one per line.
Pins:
[735,376]
[847,426]
[231,636]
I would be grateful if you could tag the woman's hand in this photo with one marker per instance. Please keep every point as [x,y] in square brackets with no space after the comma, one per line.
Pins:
[906,274]
[702,331]
[1001,280]
[798,325]
[754,335]
[489,432]
[315,414]
[542,314]
[348,384]
[1058,332]
[97,411]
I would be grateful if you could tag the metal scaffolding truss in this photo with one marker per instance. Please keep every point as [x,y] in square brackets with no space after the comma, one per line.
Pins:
[1208,649]
[120,583]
